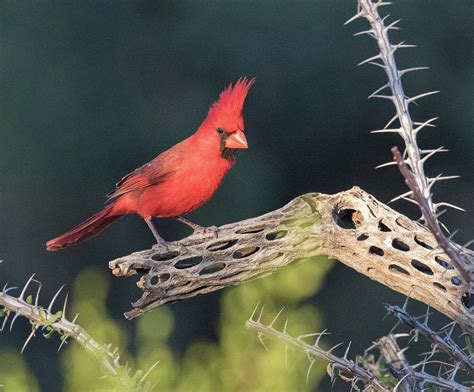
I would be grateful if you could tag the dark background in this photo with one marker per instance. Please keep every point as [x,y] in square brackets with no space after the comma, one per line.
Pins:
[91,90]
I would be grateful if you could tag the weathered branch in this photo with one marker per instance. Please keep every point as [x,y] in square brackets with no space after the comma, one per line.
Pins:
[351,226]
[47,322]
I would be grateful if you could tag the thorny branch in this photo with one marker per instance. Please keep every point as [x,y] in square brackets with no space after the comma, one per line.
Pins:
[441,341]
[47,322]
[462,259]
[390,372]
[338,366]
[414,158]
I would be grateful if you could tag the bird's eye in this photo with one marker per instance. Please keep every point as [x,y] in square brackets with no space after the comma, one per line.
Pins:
[220,131]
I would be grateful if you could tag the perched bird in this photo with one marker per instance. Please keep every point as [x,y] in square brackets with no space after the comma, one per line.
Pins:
[179,180]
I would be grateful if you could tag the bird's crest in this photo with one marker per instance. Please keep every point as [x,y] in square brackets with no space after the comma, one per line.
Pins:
[229,107]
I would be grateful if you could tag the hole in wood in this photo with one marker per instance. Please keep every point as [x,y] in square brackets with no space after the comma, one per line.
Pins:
[345,218]
[212,269]
[376,251]
[251,230]
[276,235]
[188,263]
[244,252]
[456,281]
[221,245]
[404,222]
[421,267]
[383,226]
[142,270]
[400,245]
[443,263]
[362,237]
[165,256]
[467,300]
[270,258]
[156,279]
[439,286]
[422,243]
[397,269]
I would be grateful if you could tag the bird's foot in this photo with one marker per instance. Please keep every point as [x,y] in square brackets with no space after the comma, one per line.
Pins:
[161,244]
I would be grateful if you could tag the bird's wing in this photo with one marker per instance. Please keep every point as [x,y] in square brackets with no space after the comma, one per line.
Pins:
[151,173]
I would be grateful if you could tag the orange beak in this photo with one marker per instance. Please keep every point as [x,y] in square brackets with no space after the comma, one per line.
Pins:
[236,140]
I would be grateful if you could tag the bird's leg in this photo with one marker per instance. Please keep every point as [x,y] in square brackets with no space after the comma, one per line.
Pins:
[197,228]
[159,239]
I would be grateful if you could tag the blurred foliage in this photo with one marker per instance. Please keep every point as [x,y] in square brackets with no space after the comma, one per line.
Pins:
[15,374]
[236,361]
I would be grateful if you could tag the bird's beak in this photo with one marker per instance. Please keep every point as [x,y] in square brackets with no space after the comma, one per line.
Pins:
[236,140]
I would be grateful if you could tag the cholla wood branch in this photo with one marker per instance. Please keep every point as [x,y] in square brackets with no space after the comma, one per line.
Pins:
[47,322]
[414,158]
[352,227]
[391,371]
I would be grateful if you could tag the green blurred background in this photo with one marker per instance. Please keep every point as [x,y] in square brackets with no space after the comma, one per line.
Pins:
[91,90]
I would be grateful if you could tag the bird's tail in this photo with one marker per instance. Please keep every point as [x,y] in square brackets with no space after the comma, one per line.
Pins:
[85,230]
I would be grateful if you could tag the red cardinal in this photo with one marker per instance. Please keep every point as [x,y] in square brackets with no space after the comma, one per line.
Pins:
[179,180]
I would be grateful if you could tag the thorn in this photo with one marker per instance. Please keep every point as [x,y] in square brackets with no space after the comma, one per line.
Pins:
[414,69]
[385,130]
[260,337]
[279,313]
[37,294]
[379,90]
[449,205]
[261,313]
[26,286]
[377,56]
[403,195]
[391,163]
[383,66]
[254,311]
[392,26]
[368,32]
[149,371]
[356,16]
[389,97]
[433,152]
[391,121]
[334,347]
[54,299]
[413,99]
[285,326]
[347,350]
[30,336]
[13,320]
[63,316]
[311,363]
[63,342]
